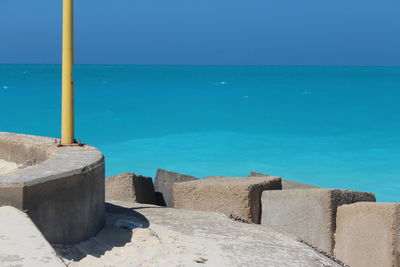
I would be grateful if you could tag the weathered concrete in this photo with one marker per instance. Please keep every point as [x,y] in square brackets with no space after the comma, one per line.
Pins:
[235,196]
[61,188]
[21,243]
[309,214]
[163,184]
[286,184]
[30,151]
[368,234]
[130,187]
[190,238]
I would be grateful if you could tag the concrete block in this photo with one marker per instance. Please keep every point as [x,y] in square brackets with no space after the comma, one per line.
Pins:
[368,234]
[236,196]
[163,185]
[61,188]
[309,214]
[130,187]
[286,184]
[21,242]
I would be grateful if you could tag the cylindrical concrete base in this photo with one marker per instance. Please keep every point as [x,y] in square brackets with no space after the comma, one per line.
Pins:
[63,192]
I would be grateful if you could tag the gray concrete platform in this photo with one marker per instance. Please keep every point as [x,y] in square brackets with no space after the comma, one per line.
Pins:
[21,243]
[61,188]
[175,237]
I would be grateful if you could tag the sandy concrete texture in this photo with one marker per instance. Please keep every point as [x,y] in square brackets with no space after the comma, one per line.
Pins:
[7,166]
[286,184]
[368,234]
[309,214]
[21,243]
[172,237]
[23,149]
[130,187]
[61,188]
[163,184]
[234,196]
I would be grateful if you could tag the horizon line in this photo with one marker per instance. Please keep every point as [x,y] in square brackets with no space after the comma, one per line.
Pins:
[197,65]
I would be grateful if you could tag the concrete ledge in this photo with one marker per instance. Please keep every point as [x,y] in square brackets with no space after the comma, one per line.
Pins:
[309,214]
[368,234]
[21,242]
[63,190]
[30,151]
[230,195]
[130,187]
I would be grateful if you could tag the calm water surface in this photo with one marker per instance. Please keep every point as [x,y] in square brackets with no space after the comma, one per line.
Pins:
[335,127]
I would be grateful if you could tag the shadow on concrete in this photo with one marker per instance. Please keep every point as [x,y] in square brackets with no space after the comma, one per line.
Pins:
[129,212]
[160,201]
[116,233]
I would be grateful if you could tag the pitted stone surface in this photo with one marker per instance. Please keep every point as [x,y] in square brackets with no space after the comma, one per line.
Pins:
[21,243]
[130,187]
[237,196]
[309,214]
[163,185]
[368,234]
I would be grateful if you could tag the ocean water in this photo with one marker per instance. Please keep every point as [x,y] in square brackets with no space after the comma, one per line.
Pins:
[335,127]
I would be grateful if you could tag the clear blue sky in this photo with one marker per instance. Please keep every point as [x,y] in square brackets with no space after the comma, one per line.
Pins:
[227,32]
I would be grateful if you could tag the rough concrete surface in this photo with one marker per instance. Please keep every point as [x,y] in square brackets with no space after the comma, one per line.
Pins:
[368,234]
[286,184]
[163,184]
[21,243]
[230,195]
[7,166]
[56,183]
[309,214]
[172,237]
[130,187]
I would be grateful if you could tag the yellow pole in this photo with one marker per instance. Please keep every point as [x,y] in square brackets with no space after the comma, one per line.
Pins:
[67,131]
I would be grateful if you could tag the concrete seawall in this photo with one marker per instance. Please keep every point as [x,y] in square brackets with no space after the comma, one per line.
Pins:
[61,188]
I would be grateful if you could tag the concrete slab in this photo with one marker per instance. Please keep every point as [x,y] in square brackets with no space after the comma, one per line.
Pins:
[55,185]
[234,196]
[163,184]
[309,214]
[173,237]
[286,184]
[368,234]
[21,243]
[130,187]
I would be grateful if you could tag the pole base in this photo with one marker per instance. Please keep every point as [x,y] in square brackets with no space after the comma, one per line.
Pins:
[75,143]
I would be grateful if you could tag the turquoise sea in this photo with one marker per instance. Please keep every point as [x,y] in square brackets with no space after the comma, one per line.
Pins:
[335,127]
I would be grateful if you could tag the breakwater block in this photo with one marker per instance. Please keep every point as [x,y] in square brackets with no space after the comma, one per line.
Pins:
[21,242]
[309,214]
[368,234]
[235,196]
[286,184]
[163,185]
[130,187]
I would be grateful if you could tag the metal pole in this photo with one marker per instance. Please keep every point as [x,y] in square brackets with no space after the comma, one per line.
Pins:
[67,131]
